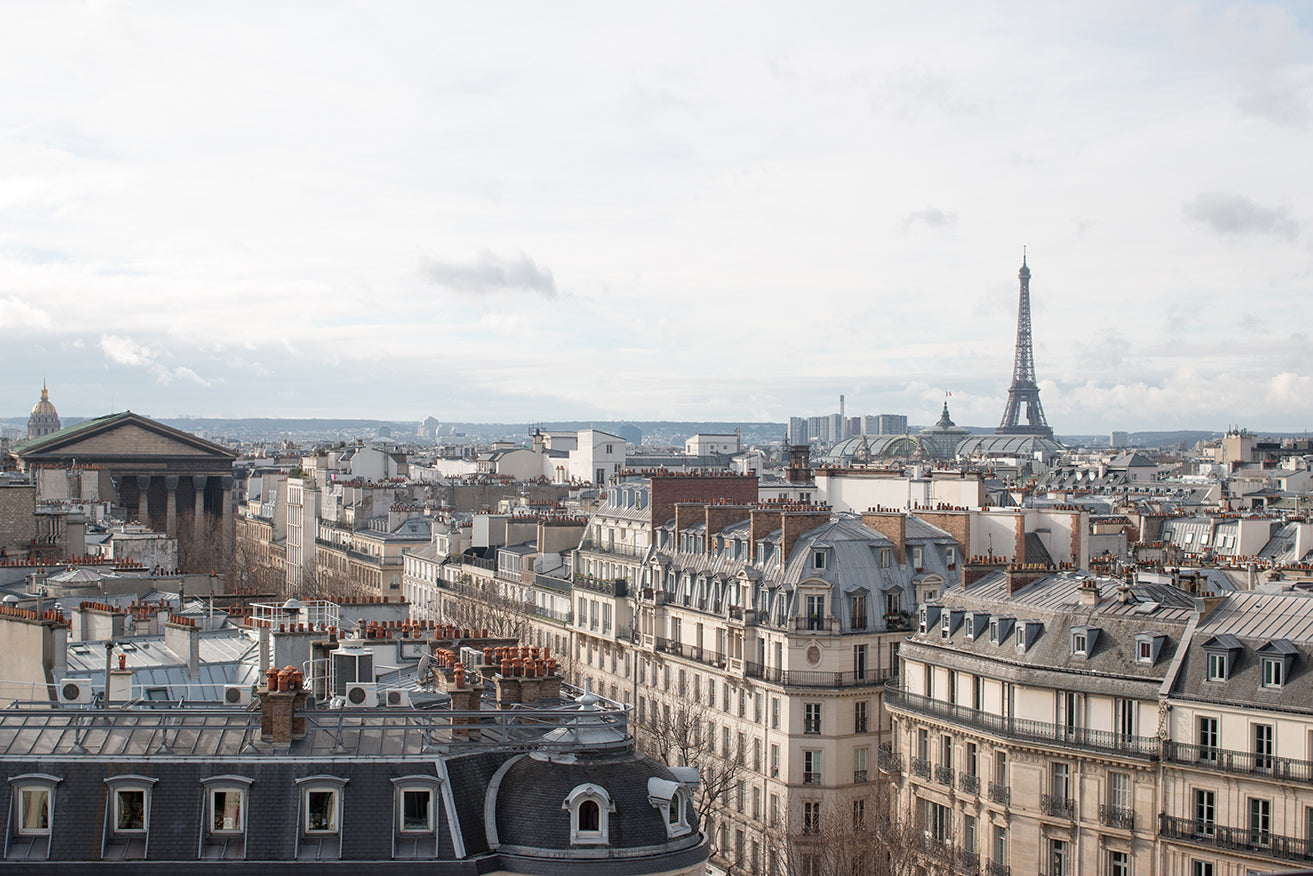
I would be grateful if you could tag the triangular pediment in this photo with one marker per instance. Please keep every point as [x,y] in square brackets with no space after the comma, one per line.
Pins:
[118,436]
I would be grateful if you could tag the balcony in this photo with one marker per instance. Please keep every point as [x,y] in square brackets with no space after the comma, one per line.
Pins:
[968,861]
[820,626]
[889,761]
[968,783]
[604,586]
[1001,794]
[1247,763]
[811,725]
[1237,839]
[618,550]
[921,767]
[944,775]
[1021,729]
[811,778]
[1116,816]
[668,646]
[811,678]
[1057,807]
[859,777]
[994,868]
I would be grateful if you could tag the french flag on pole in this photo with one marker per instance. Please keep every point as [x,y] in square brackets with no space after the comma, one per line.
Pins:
[947,394]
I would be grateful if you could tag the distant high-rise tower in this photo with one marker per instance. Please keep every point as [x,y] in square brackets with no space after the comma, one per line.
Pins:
[1023,415]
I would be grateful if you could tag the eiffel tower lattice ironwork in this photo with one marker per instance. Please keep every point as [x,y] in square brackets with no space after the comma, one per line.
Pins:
[1023,414]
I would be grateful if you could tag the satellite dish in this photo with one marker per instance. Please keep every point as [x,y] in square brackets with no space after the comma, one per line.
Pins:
[292,606]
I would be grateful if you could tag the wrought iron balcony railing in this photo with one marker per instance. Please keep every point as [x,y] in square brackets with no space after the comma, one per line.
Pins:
[921,767]
[1058,807]
[944,775]
[1022,729]
[1116,816]
[1000,793]
[968,783]
[1283,769]
[1239,839]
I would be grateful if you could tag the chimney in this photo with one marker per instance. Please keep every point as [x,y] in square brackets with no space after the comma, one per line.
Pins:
[182,637]
[762,522]
[688,514]
[893,526]
[720,516]
[282,706]
[794,524]
[799,470]
[1089,593]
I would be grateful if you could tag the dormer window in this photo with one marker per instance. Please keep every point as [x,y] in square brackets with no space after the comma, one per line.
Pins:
[1221,650]
[1147,647]
[971,627]
[1082,641]
[1027,632]
[590,809]
[886,557]
[917,557]
[950,556]
[671,799]
[1278,658]
[818,560]
[1217,668]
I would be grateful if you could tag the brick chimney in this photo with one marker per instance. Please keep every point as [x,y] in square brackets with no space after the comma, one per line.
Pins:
[688,514]
[795,523]
[893,526]
[799,470]
[720,516]
[183,637]
[1024,574]
[282,706]
[762,522]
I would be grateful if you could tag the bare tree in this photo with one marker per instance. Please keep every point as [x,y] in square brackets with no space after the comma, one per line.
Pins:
[681,732]
[873,839]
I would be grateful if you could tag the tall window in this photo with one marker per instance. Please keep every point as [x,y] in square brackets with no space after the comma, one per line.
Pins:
[1208,738]
[811,816]
[1119,791]
[859,662]
[1001,768]
[859,720]
[1119,864]
[1205,812]
[971,760]
[1060,781]
[1124,715]
[811,721]
[968,833]
[33,811]
[1000,845]
[1068,710]
[1201,868]
[946,751]
[859,764]
[937,821]
[1260,821]
[858,607]
[1264,745]
[811,767]
[815,612]
[1058,854]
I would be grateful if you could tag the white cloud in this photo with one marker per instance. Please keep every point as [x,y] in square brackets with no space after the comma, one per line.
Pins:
[18,314]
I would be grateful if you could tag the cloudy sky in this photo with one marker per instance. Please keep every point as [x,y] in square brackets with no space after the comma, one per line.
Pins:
[544,211]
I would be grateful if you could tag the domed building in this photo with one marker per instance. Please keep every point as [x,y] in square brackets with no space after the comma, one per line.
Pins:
[44,419]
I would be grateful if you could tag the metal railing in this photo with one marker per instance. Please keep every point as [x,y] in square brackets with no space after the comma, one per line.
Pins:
[1057,807]
[813,678]
[619,550]
[1000,793]
[994,868]
[944,775]
[889,761]
[968,861]
[1258,842]
[921,767]
[859,776]
[1116,816]
[669,646]
[968,783]
[811,725]
[604,586]
[811,778]
[1241,762]
[822,625]
[1023,729]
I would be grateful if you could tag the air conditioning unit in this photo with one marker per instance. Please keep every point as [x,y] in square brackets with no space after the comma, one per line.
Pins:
[396,698]
[236,695]
[75,691]
[361,695]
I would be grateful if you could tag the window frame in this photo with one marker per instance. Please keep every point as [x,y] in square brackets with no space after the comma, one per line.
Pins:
[225,785]
[403,785]
[574,803]
[27,783]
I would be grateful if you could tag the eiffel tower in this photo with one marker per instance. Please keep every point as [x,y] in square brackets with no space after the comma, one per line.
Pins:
[1024,415]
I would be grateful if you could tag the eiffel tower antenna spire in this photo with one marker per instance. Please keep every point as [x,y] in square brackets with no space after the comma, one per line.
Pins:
[1023,414]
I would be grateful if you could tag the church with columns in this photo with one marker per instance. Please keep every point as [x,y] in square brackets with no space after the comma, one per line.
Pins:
[161,477]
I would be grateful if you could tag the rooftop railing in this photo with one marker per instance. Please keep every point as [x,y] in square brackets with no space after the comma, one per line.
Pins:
[1250,763]
[813,678]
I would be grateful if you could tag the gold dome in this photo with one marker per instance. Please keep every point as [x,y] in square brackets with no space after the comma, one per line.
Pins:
[44,406]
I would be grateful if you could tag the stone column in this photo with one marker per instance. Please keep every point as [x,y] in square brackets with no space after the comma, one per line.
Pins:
[143,500]
[171,505]
[198,515]
[226,514]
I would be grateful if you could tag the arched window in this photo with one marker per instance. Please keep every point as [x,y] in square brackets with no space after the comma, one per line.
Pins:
[590,809]
[671,800]
[590,817]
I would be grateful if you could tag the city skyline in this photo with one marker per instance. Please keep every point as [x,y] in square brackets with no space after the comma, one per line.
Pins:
[475,214]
